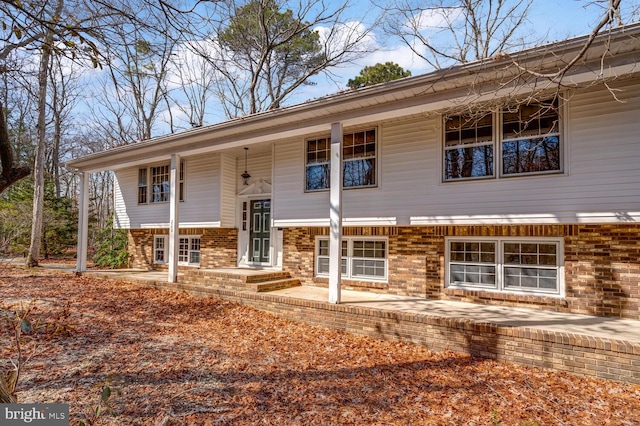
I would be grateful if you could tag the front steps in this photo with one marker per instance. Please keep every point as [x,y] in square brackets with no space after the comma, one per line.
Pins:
[255,280]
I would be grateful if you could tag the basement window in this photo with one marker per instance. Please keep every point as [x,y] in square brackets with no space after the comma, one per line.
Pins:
[510,265]
[188,250]
[362,259]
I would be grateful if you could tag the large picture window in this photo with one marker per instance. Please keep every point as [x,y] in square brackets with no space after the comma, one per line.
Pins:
[188,250]
[154,184]
[362,259]
[359,157]
[505,264]
[528,141]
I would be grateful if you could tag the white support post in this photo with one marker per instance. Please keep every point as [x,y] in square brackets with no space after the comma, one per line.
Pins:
[83,222]
[335,214]
[174,217]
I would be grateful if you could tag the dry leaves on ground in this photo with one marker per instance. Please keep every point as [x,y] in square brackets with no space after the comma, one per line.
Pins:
[170,358]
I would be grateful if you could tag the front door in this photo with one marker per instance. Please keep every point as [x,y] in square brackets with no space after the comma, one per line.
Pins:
[260,231]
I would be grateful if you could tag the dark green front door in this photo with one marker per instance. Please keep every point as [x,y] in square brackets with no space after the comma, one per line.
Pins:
[260,231]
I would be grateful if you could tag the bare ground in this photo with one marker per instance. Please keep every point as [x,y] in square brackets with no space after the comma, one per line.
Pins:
[170,358]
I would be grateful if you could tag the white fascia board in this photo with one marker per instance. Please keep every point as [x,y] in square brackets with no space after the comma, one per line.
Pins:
[360,221]
[182,225]
[518,219]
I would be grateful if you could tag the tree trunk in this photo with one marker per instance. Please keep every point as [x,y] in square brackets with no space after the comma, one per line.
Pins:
[38,167]
[10,174]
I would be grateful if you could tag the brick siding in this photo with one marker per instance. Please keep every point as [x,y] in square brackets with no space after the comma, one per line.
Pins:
[218,246]
[602,264]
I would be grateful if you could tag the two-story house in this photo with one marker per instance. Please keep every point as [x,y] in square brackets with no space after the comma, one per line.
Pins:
[500,181]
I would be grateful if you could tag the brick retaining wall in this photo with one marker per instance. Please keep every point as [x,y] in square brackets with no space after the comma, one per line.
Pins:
[577,354]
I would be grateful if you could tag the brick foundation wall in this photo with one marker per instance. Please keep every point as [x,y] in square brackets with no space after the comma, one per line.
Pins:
[218,246]
[602,264]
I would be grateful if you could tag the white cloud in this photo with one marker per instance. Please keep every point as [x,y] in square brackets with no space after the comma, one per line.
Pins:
[433,18]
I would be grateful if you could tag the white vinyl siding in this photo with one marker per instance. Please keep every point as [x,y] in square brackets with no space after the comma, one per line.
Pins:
[202,196]
[510,265]
[228,190]
[600,181]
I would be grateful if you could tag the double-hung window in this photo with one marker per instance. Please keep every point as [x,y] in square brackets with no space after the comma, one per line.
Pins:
[531,139]
[525,139]
[511,265]
[359,161]
[362,258]
[154,184]
[469,146]
[188,250]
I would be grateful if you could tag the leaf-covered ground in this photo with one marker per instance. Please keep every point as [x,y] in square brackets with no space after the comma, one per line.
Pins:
[170,358]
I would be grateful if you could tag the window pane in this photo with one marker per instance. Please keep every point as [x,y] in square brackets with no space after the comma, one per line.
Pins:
[468,162]
[317,177]
[531,155]
[530,278]
[359,173]
[323,265]
[363,267]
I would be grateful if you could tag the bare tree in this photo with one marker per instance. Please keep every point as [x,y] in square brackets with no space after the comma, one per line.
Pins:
[38,168]
[64,93]
[138,65]
[445,33]
[195,78]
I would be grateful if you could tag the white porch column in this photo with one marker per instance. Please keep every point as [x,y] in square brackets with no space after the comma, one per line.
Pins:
[83,222]
[174,217]
[335,214]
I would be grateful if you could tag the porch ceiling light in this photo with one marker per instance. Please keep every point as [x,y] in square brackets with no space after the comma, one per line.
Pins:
[245,176]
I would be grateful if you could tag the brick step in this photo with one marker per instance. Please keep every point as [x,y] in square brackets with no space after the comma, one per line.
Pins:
[266,286]
[259,281]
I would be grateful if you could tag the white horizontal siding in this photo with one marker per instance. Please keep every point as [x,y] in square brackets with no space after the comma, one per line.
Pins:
[601,182]
[121,218]
[202,195]
[258,166]
[202,190]
[228,190]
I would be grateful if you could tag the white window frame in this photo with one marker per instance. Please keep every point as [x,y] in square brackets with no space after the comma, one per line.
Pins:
[500,266]
[348,260]
[160,248]
[190,249]
[148,185]
[327,161]
[499,139]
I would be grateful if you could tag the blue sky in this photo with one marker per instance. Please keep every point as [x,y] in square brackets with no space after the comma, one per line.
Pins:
[558,19]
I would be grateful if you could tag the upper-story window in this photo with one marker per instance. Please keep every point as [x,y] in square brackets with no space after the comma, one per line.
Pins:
[153,184]
[359,161]
[468,146]
[531,139]
[528,141]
